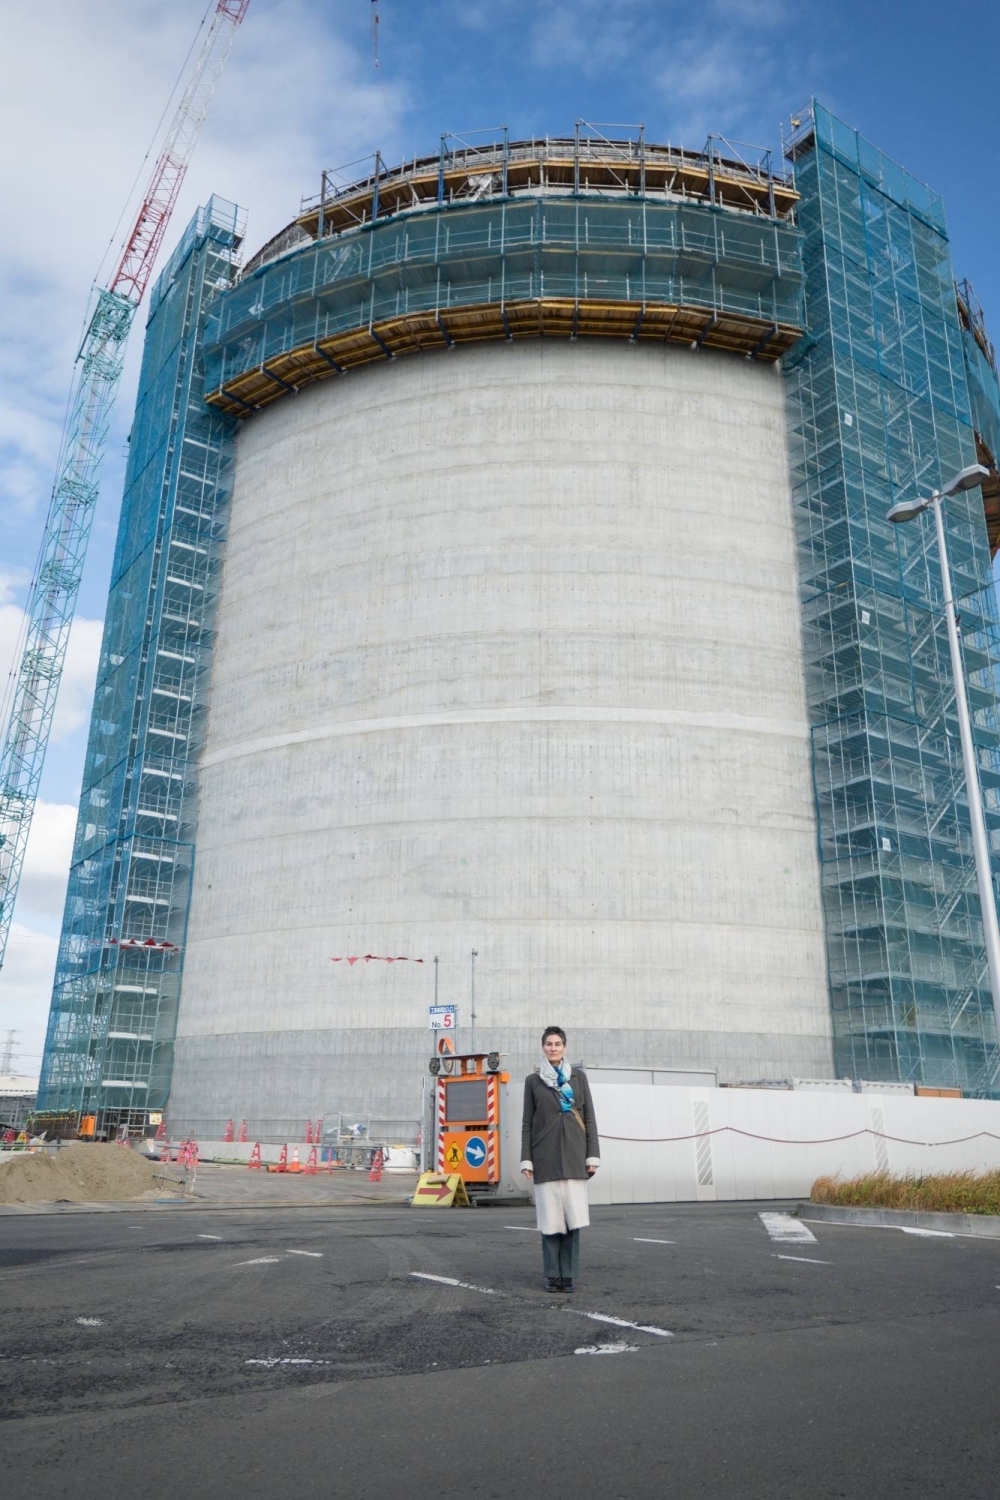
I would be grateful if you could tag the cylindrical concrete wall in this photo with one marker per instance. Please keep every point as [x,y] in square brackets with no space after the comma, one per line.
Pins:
[508,658]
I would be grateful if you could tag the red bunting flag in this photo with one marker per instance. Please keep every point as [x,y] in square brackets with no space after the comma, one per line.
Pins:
[143,943]
[374,958]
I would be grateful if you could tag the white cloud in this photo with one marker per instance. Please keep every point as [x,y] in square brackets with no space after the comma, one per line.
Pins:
[25,992]
[46,862]
[76,690]
[32,946]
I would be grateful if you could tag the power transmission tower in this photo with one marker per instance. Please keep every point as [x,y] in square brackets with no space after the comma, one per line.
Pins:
[8,1054]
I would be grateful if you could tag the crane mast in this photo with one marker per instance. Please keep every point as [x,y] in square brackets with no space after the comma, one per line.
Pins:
[52,601]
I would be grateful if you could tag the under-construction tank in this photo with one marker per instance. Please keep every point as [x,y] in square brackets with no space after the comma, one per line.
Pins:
[508,650]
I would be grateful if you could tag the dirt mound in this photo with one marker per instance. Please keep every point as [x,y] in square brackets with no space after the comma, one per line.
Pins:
[82,1173]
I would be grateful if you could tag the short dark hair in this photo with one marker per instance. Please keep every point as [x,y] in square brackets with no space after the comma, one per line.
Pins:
[553,1031]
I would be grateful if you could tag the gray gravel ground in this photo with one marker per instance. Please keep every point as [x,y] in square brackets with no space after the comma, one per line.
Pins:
[271,1354]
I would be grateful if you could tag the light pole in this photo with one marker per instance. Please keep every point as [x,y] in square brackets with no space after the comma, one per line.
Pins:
[908,510]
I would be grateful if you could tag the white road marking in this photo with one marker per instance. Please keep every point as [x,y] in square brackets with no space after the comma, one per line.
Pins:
[263,1260]
[786,1230]
[640,1241]
[806,1260]
[91,1322]
[596,1317]
[523,1228]
[930,1234]
[450,1281]
[270,1363]
[622,1323]
[608,1349]
[316,1254]
[210,1236]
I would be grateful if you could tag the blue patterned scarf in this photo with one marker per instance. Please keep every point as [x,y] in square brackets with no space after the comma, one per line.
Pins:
[558,1079]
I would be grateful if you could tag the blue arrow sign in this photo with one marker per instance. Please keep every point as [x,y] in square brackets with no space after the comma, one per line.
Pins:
[475,1150]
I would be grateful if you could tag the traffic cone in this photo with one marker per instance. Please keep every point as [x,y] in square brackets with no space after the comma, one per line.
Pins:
[161,1132]
[375,1175]
[282,1162]
[255,1156]
[295,1165]
[243,1130]
[309,1132]
[311,1168]
[229,1134]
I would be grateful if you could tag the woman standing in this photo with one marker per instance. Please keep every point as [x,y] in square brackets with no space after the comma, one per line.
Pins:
[560,1150]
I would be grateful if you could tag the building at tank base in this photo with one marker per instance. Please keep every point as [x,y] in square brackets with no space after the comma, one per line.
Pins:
[504,566]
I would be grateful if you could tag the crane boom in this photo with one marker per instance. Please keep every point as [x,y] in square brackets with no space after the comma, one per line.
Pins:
[52,601]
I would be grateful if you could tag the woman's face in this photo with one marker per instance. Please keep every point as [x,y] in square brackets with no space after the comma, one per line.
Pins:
[554,1047]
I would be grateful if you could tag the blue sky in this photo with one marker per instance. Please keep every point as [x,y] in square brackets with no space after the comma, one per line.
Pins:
[82,89]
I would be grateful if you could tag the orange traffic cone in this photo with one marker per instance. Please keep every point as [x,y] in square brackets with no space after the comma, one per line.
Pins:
[282,1163]
[243,1130]
[229,1133]
[311,1168]
[255,1156]
[309,1132]
[375,1175]
[295,1165]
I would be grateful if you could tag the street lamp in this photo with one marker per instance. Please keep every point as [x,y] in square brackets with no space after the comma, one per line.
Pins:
[909,510]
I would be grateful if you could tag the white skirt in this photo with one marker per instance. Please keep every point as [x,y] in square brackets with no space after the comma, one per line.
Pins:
[561,1206]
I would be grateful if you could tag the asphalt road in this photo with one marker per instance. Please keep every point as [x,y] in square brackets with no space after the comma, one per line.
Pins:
[305,1353]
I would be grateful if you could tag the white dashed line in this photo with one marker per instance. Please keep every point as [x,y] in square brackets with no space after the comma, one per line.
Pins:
[91,1322]
[523,1228]
[270,1363]
[210,1236]
[263,1260]
[786,1230]
[488,1291]
[661,1333]
[805,1260]
[316,1254]
[450,1281]
[638,1239]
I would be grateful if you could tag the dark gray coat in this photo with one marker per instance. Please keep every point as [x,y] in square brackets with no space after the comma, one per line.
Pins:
[552,1140]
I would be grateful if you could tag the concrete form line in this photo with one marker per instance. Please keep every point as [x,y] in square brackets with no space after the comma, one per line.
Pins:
[747,723]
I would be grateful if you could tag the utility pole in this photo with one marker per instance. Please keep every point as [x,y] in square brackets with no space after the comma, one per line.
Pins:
[475,955]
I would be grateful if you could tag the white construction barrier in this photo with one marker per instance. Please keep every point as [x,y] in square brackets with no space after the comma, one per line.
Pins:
[672,1145]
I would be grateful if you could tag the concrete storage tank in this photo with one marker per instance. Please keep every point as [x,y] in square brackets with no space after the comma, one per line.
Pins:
[508,652]
[505,653]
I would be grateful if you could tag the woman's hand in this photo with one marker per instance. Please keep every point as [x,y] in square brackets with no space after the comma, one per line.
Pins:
[526,1172]
[591,1171]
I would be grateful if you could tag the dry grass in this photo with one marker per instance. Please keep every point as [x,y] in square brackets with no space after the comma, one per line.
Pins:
[945,1192]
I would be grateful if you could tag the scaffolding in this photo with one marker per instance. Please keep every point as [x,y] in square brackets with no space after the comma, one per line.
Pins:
[984,393]
[568,238]
[109,1046]
[880,412]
